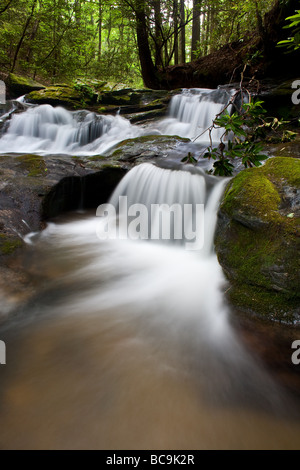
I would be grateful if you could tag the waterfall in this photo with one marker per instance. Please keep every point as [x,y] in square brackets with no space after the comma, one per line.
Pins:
[44,129]
[192,112]
[174,205]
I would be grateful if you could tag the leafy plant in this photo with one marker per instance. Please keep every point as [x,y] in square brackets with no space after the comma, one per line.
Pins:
[293,42]
[86,91]
[189,159]
[241,140]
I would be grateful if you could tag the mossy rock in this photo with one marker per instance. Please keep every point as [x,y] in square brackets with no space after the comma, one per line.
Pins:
[122,97]
[8,245]
[61,95]
[33,165]
[258,238]
[19,85]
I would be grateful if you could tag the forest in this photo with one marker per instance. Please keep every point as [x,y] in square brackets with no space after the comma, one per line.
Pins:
[128,41]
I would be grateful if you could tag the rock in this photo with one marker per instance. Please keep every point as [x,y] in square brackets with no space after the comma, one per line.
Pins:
[147,148]
[18,85]
[258,239]
[103,98]
[34,189]
[59,95]
[28,184]
[277,97]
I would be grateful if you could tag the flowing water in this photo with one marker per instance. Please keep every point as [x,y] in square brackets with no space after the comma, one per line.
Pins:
[128,343]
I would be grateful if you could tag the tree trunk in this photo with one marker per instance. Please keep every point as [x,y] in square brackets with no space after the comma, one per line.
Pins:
[182,32]
[19,45]
[260,26]
[158,33]
[196,28]
[149,71]
[175,22]
[99,30]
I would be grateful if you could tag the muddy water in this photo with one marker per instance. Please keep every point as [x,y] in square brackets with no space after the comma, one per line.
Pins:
[130,345]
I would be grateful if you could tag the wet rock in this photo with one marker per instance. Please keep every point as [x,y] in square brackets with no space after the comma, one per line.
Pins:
[147,148]
[258,239]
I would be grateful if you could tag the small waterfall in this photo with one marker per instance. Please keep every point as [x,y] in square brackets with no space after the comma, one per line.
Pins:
[174,205]
[192,112]
[45,129]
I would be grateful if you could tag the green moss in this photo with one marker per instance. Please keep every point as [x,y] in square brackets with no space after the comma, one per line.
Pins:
[9,245]
[20,85]
[256,194]
[256,239]
[252,255]
[265,303]
[283,168]
[33,164]
[96,158]
[58,95]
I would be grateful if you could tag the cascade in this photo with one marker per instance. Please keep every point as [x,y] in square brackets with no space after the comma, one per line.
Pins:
[192,112]
[128,341]
[45,129]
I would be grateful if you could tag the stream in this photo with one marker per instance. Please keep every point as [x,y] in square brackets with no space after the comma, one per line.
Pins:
[128,342]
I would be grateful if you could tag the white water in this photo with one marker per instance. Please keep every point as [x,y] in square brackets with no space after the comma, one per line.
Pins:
[47,130]
[192,112]
[153,186]
[128,344]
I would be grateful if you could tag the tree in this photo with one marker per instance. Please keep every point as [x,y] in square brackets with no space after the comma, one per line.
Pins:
[196,28]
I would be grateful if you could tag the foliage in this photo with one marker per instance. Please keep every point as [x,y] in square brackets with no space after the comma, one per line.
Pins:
[189,159]
[244,130]
[293,42]
[61,40]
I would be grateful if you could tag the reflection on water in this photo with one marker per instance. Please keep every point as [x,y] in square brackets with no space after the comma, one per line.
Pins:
[128,345]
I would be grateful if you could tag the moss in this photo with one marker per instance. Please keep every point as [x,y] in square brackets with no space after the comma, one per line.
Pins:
[256,239]
[283,168]
[256,194]
[58,95]
[33,164]
[9,245]
[252,255]
[96,158]
[20,85]
[264,303]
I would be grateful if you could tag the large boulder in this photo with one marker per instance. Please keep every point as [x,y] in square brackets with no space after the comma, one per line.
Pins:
[258,239]
[33,189]
[59,95]
[18,85]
